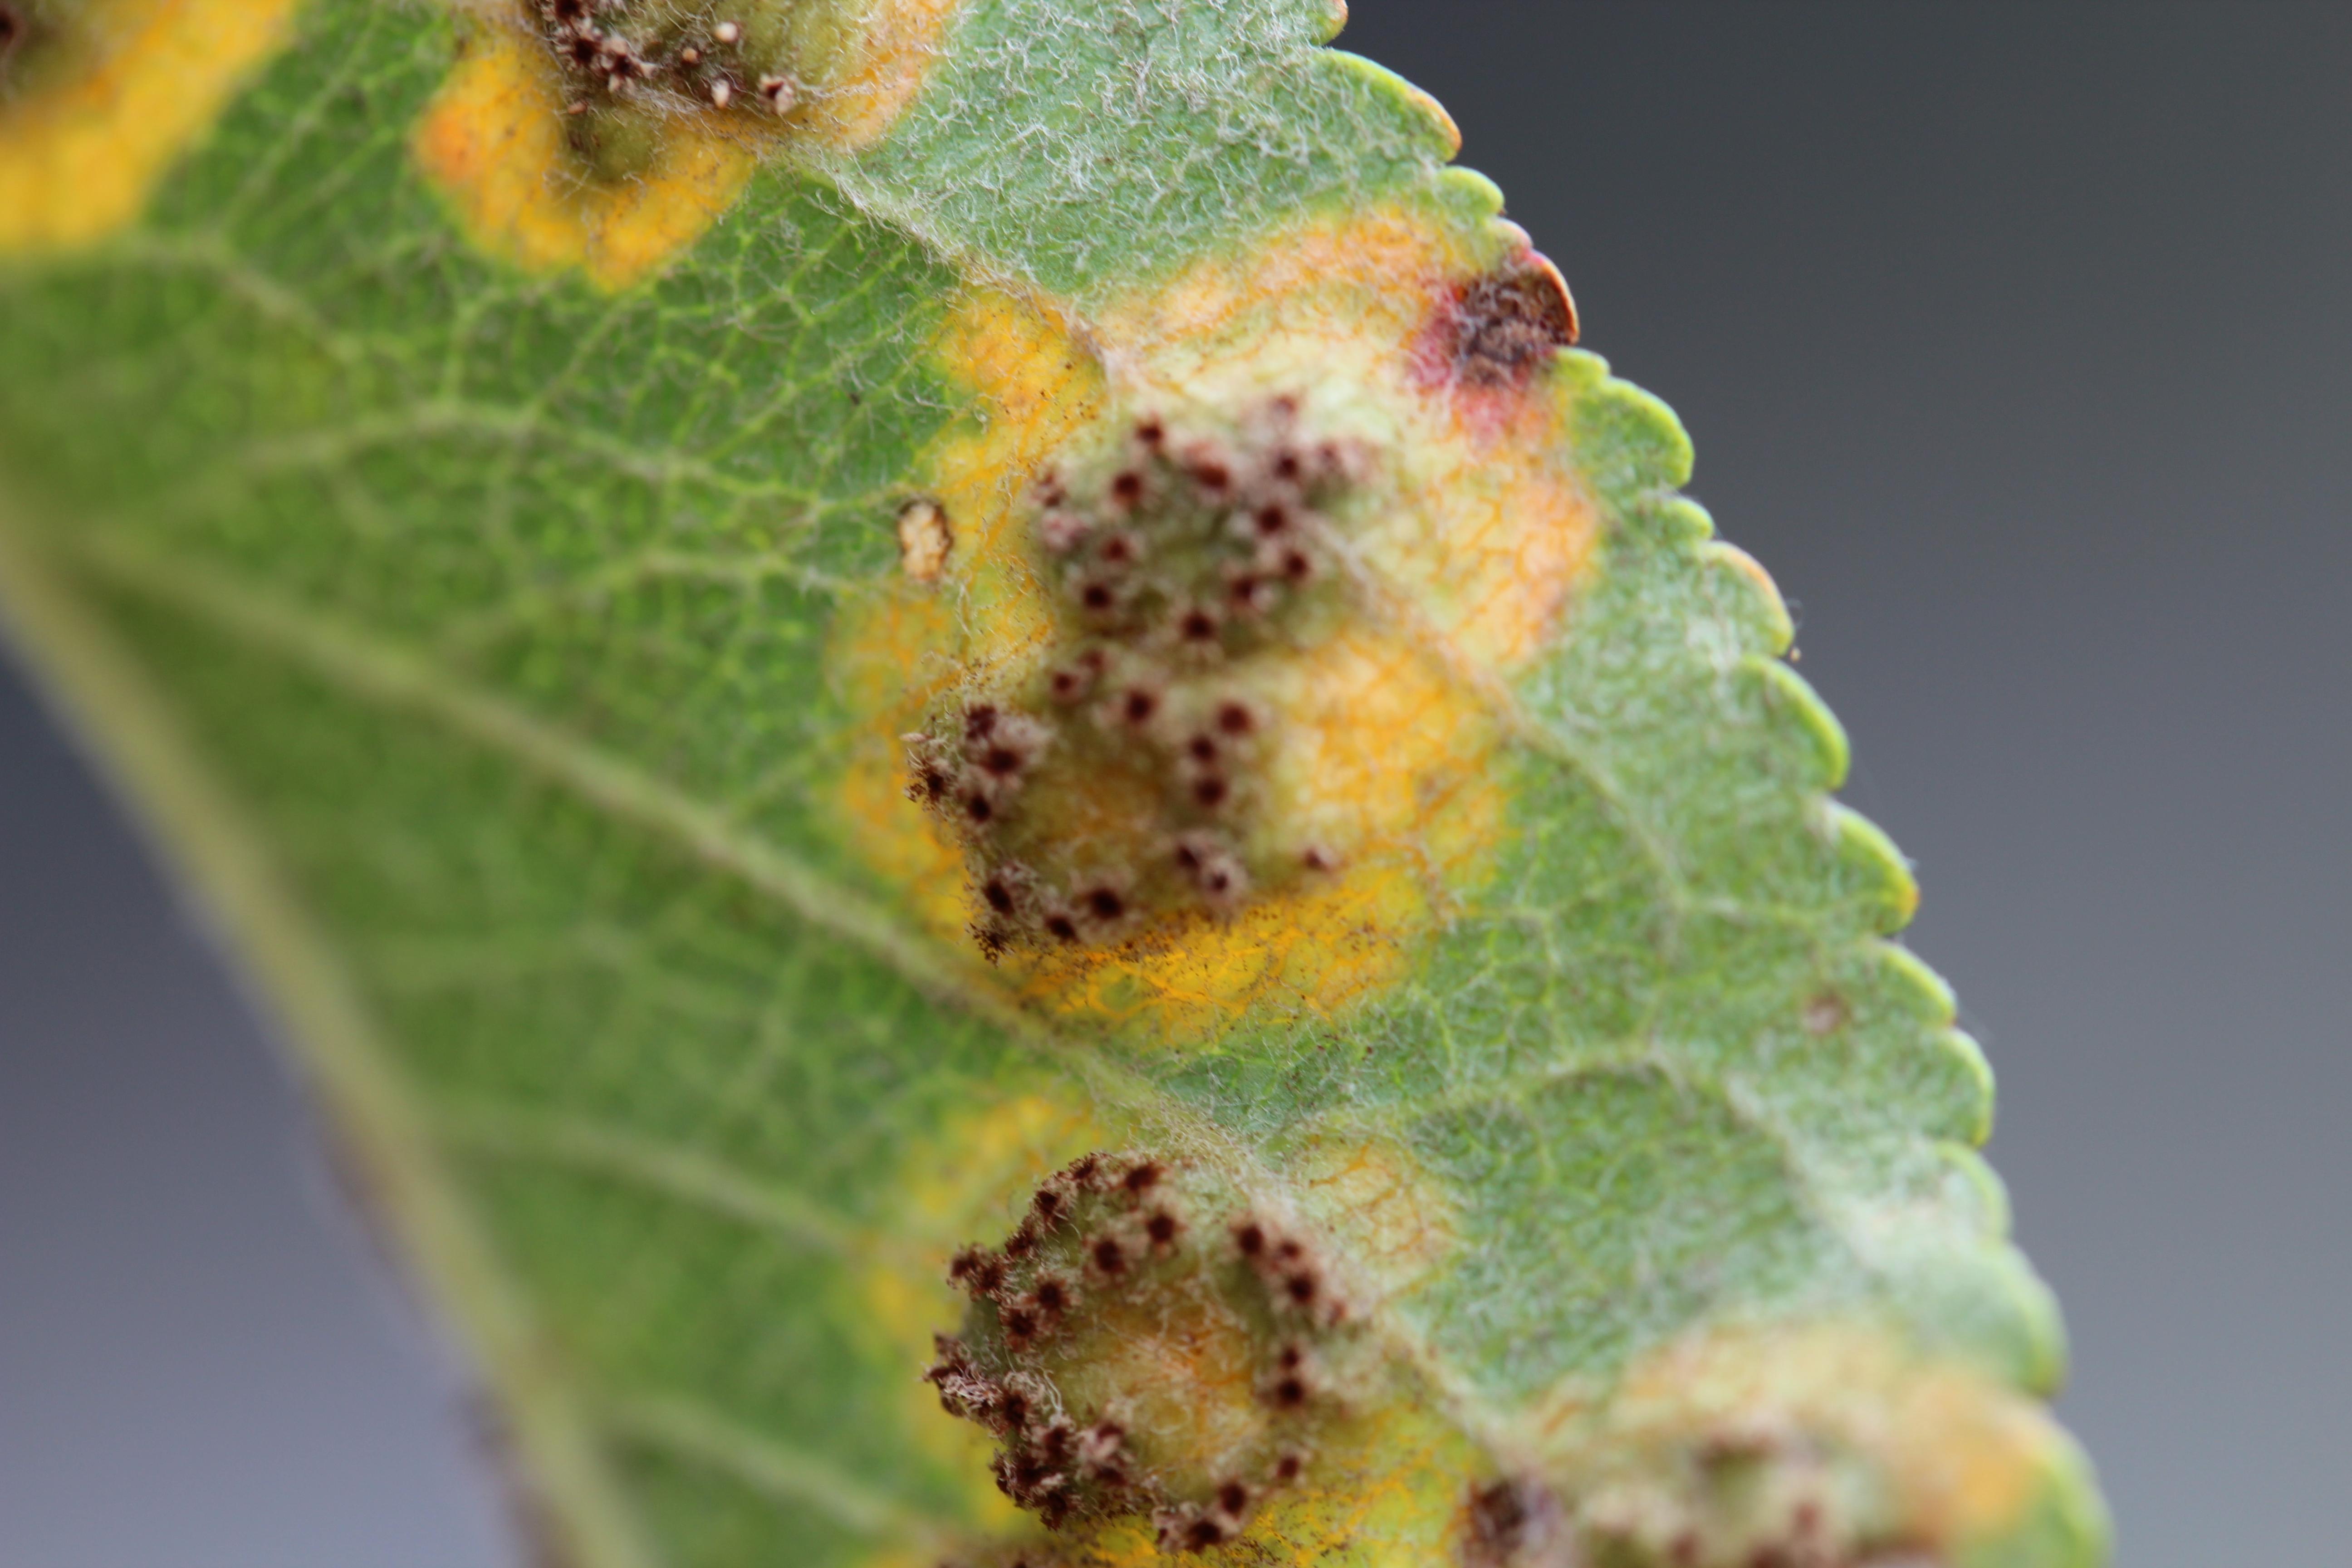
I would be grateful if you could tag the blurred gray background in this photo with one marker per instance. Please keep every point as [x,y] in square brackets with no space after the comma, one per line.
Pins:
[2016,340]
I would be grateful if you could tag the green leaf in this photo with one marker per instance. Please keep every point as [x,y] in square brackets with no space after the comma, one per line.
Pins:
[519,560]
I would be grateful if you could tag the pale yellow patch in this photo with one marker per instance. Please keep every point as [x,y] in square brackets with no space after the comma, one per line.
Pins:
[492,140]
[79,156]
[1961,1457]
[966,1185]
[892,44]
[1180,1374]
[1487,532]
[1384,1218]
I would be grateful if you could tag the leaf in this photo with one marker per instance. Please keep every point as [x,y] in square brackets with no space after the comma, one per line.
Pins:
[522,561]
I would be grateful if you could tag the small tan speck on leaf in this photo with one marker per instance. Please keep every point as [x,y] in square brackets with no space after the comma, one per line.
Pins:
[924,540]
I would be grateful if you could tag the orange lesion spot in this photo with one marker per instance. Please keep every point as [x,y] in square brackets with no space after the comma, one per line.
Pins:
[890,46]
[492,140]
[1384,743]
[137,81]
[495,139]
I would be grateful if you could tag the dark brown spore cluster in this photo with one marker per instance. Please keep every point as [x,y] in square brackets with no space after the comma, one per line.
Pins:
[1514,1523]
[1750,1493]
[41,40]
[1175,563]
[626,63]
[1502,327]
[1111,1231]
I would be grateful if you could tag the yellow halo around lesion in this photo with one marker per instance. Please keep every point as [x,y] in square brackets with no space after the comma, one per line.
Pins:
[1492,533]
[1388,743]
[81,152]
[962,1184]
[1959,1464]
[493,142]
[895,655]
[1378,759]
[1387,1489]
[892,46]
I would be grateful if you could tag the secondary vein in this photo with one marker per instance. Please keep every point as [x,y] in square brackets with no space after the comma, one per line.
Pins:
[387,673]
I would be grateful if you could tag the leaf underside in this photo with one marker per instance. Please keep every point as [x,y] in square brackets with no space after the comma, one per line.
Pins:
[476,638]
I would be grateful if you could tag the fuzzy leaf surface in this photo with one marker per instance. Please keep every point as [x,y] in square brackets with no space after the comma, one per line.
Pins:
[514,656]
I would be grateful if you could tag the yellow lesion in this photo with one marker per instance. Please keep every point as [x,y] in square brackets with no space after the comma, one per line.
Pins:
[1951,1460]
[1386,1491]
[1378,1209]
[1305,953]
[83,147]
[898,651]
[889,47]
[968,1182]
[1384,745]
[1385,1488]
[1376,755]
[492,140]
[1489,534]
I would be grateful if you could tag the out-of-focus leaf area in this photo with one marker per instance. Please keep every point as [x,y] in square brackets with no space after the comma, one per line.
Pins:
[1005,820]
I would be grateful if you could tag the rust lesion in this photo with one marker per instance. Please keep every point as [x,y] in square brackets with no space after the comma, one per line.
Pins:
[608,135]
[831,71]
[98,99]
[528,183]
[1167,1368]
[1498,329]
[1821,1445]
[1185,878]
[1144,1349]
[1128,775]
[629,71]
